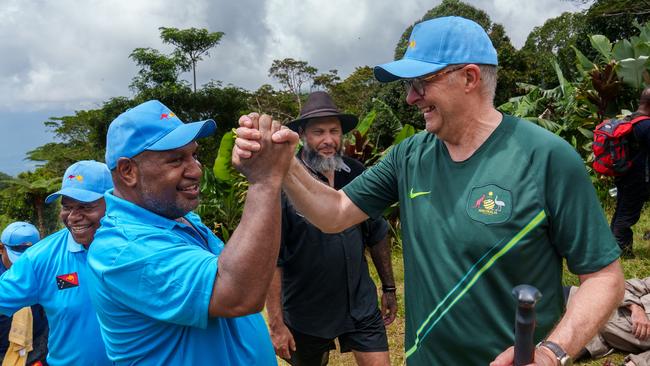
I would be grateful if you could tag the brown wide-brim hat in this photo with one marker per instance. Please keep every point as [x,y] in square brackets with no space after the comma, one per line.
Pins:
[320,104]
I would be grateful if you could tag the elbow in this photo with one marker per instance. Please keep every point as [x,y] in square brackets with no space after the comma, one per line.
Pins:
[251,307]
[233,309]
[245,309]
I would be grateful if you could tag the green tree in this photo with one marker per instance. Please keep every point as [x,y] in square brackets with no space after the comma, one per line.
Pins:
[280,104]
[156,69]
[613,19]
[552,40]
[81,136]
[4,180]
[191,44]
[33,188]
[326,81]
[292,74]
[355,93]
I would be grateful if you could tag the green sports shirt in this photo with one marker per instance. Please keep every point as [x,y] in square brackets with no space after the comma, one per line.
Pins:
[473,230]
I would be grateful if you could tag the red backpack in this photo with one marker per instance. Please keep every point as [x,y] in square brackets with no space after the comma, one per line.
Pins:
[611,145]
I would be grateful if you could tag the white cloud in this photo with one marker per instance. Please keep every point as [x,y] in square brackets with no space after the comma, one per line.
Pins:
[71,54]
[66,55]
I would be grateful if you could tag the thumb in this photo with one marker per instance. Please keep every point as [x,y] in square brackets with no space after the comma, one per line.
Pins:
[285,135]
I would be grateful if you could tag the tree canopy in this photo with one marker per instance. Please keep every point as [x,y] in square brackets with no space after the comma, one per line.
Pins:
[191,44]
[572,71]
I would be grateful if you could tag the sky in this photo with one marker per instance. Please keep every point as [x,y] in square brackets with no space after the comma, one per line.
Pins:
[67,55]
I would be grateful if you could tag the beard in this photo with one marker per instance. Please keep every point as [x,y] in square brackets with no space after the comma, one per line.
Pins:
[321,163]
[169,208]
[163,202]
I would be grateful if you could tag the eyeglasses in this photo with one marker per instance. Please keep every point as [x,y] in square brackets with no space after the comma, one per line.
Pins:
[418,84]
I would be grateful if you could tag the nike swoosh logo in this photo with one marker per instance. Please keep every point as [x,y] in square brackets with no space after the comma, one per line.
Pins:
[416,194]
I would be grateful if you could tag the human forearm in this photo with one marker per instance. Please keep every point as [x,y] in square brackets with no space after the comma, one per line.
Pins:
[274,300]
[247,263]
[598,295]
[380,254]
[328,209]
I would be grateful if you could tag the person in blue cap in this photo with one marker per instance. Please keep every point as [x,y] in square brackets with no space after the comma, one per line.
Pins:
[16,341]
[166,289]
[487,201]
[54,272]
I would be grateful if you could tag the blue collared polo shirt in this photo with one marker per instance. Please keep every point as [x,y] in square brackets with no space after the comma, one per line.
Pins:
[53,273]
[152,279]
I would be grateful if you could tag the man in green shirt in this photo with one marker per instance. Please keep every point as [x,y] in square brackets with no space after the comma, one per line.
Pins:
[487,202]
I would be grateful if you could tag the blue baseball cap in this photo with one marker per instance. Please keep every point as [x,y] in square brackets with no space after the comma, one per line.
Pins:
[438,43]
[84,181]
[16,234]
[151,126]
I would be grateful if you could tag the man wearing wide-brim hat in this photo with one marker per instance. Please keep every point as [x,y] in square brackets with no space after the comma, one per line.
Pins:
[323,278]
[320,104]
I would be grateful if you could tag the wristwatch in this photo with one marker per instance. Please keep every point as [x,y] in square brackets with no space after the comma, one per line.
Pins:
[563,359]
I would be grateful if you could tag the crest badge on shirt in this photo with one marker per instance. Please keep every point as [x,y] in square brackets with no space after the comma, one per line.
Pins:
[489,204]
[67,281]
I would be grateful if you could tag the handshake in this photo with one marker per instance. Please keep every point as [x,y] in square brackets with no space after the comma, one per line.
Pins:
[264,149]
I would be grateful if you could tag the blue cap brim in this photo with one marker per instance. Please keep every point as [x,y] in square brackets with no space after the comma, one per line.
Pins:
[405,69]
[81,195]
[13,256]
[183,135]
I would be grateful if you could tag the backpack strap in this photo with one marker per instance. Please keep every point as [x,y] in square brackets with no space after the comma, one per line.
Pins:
[639,119]
[635,119]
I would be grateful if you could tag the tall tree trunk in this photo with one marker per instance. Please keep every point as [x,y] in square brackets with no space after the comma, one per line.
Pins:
[194,71]
[39,207]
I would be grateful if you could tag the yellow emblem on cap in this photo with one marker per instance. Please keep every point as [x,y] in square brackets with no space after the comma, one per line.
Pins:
[80,177]
[412,44]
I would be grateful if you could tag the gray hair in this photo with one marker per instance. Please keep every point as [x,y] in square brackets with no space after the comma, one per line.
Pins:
[488,80]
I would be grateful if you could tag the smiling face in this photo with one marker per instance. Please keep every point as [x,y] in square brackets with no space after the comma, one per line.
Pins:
[168,181]
[440,101]
[82,218]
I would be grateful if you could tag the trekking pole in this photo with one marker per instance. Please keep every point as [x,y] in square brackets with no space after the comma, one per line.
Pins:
[526,297]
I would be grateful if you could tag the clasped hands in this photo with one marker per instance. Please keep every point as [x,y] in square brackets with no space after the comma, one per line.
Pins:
[263,148]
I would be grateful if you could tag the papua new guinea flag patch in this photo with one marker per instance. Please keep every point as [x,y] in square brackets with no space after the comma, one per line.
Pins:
[67,281]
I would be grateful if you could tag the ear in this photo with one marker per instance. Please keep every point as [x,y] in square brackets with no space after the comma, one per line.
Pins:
[127,171]
[471,77]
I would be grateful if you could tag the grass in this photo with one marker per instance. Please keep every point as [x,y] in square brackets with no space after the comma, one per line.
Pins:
[632,268]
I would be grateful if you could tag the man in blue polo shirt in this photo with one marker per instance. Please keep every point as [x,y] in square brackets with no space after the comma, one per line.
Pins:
[166,290]
[53,273]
